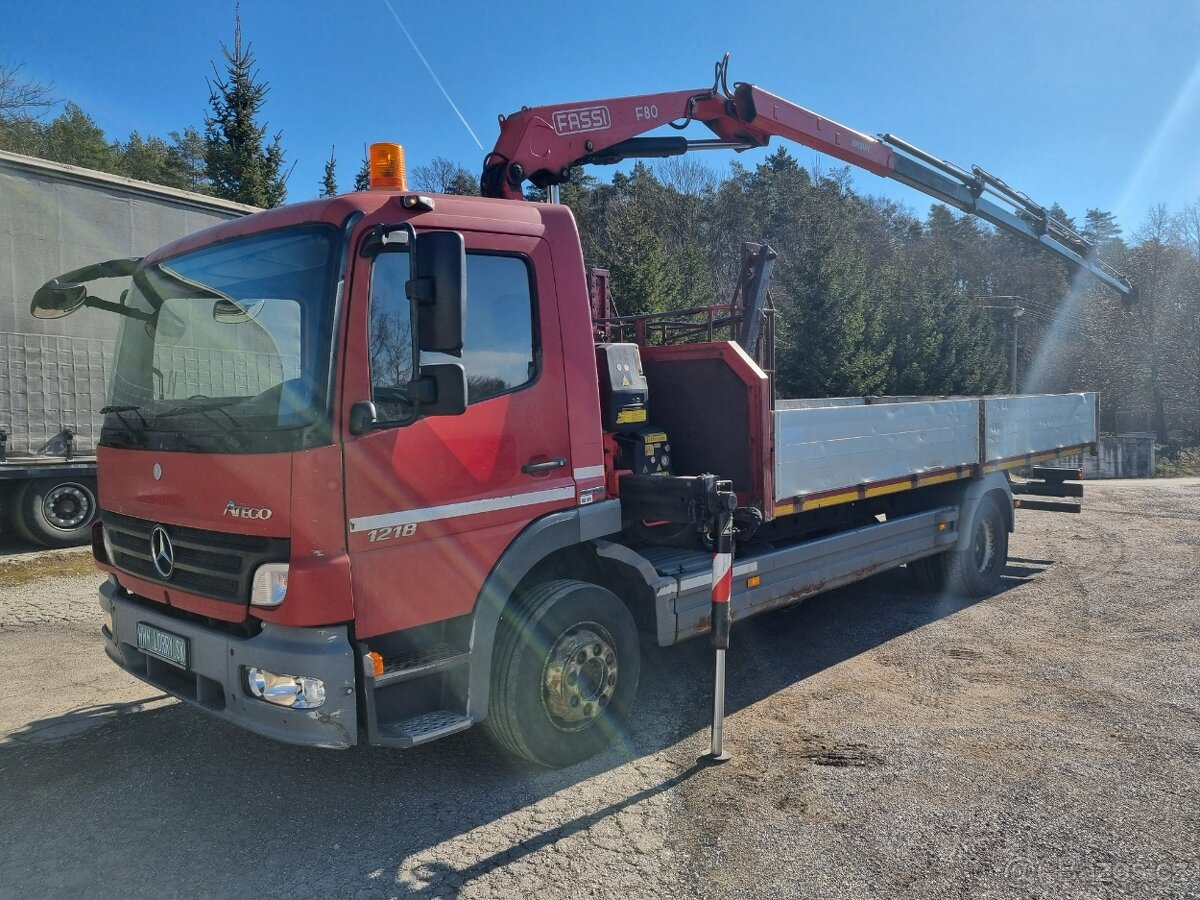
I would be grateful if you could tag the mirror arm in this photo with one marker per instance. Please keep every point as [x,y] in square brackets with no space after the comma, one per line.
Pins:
[119,308]
[113,268]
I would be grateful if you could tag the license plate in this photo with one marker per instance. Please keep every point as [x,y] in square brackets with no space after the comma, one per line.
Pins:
[166,646]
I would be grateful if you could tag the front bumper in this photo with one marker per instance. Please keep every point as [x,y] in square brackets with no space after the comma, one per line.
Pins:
[215,678]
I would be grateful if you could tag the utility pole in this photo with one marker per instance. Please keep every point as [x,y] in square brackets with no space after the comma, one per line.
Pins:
[1016,311]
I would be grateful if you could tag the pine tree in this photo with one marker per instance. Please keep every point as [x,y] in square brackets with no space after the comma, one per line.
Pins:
[237,164]
[1100,228]
[362,179]
[150,159]
[75,138]
[329,183]
[187,153]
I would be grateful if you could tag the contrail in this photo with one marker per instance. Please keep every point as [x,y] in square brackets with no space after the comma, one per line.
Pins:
[429,68]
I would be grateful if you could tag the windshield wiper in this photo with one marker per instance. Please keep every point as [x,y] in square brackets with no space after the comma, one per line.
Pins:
[133,434]
[206,405]
[206,409]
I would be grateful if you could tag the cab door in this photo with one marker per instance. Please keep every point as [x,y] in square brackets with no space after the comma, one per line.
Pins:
[432,504]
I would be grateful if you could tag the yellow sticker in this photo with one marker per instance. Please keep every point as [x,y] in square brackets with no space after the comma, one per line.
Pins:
[626,416]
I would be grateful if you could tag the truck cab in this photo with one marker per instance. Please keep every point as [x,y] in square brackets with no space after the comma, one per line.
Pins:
[243,501]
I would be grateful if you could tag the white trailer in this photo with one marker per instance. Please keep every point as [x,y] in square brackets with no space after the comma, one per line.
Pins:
[54,375]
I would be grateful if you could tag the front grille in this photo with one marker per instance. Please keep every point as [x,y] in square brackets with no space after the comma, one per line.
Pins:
[207,563]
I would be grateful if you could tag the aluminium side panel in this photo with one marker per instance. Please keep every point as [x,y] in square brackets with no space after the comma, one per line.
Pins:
[820,449]
[1017,426]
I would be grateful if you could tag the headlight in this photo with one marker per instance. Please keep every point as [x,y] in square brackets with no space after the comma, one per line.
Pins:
[270,584]
[295,691]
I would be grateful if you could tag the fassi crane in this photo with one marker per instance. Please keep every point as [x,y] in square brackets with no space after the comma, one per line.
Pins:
[542,144]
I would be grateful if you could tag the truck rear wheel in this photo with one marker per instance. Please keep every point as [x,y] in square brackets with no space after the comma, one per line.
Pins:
[55,512]
[564,673]
[976,570]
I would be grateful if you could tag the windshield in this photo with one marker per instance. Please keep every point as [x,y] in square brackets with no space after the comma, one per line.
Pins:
[227,348]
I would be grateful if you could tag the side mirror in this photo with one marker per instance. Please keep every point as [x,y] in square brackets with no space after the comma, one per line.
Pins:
[65,294]
[439,288]
[363,417]
[441,390]
[53,300]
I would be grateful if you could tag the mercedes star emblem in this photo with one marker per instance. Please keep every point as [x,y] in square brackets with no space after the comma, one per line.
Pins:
[162,554]
[157,471]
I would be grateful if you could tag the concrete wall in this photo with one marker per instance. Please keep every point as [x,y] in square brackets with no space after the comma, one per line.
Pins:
[1117,456]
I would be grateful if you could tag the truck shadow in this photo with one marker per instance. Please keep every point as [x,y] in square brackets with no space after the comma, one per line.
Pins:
[165,787]
[11,545]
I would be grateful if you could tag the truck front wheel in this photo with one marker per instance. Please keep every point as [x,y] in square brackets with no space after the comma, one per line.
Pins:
[55,512]
[564,673]
[976,570]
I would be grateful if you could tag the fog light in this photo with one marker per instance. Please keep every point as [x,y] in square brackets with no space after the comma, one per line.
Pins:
[108,622]
[270,584]
[295,691]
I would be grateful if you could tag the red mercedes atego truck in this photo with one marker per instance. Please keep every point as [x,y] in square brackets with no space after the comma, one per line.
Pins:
[380,466]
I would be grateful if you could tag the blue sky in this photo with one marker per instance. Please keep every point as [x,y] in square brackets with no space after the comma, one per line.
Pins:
[1085,103]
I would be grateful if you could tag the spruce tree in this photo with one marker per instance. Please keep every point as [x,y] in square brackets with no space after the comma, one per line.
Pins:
[188,150]
[329,183]
[74,138]
[362,179]
[239,167]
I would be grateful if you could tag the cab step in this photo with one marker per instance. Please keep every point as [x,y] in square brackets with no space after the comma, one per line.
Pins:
[422,663]
[425,727]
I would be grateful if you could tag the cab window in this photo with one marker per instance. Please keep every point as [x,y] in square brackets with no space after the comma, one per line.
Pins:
[499,347]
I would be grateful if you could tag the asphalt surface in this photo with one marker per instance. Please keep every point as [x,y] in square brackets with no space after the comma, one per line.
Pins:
[1042,742]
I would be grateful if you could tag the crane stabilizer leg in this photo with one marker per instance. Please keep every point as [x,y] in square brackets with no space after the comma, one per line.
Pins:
[722,590]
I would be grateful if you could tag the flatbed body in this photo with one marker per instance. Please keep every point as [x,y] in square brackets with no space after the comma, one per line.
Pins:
[839,450]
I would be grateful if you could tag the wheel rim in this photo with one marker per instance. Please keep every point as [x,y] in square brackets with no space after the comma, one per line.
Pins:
[68,506]
[580,676]
[985,545]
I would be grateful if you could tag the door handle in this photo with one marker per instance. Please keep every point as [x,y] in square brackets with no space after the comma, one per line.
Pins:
[532,468]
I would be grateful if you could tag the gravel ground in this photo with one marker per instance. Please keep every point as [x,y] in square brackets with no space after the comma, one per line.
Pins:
[1042,742]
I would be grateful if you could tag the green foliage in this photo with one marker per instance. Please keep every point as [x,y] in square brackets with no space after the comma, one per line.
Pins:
[329,182]
[152,159]
[187,153]
[238,164]
[362,178]
[73,137]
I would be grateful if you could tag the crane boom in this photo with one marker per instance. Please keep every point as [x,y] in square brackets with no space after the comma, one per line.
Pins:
[542,144]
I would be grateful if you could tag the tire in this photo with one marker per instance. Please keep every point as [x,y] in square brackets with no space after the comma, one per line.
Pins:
[564,673]
[976,571]
[929,573]
[55,512]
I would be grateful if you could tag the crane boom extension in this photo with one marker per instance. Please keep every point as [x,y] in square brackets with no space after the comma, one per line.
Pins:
[542,144]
